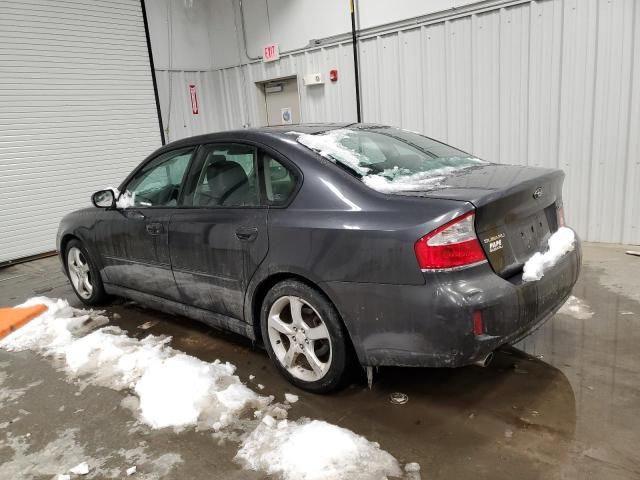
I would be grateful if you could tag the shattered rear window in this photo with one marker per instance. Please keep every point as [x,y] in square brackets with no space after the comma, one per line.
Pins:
[390,159]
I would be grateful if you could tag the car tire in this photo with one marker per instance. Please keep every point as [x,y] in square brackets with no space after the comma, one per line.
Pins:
[80,267]
[283,332]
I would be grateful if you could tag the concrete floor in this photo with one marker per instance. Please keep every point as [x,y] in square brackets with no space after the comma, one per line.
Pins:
[564,405]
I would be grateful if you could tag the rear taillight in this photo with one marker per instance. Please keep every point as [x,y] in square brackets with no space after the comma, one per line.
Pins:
[451,245]
[560,213]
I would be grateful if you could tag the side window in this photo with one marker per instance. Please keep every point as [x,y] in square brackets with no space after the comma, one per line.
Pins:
[158,183]
[227,177]
[279,182]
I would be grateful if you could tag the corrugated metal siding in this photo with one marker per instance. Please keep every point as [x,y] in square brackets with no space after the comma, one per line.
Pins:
[77,111]
[229,97]
[550,83]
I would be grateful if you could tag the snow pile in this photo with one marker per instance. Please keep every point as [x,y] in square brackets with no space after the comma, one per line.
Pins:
[577,308]
[81,469]
[314,450]
[183,390]
[52,331]
[174,389]
[402,180]
[329,145]
[291,398]
[415,182]
[560,243]
[177,390]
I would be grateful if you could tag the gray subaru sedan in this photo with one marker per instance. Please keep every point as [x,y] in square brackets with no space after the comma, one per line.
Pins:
[333,245]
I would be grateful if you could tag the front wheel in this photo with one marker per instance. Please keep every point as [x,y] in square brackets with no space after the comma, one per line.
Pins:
[83,274]
[304,336]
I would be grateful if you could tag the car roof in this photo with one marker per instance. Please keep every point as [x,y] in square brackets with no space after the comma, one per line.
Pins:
[280,131]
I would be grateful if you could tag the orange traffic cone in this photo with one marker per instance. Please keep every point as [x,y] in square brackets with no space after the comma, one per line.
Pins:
[13,318]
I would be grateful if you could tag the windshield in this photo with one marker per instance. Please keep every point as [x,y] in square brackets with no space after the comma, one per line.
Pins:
[389,159]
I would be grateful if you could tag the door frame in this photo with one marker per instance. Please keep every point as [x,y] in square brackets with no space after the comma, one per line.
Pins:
[262,97]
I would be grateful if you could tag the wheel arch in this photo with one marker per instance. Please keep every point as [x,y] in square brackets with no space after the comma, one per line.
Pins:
[64,241]
[81,236]
[264,285]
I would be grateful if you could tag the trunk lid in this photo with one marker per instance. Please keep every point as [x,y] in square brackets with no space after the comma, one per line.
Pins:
[516,209]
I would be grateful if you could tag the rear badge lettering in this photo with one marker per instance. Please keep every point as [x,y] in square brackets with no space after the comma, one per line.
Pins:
[493,246]
[495,242]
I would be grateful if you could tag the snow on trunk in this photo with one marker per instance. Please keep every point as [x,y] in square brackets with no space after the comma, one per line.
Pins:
[560,243]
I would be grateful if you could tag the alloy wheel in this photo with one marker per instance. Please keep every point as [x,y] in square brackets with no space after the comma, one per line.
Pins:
[79,272]
[299,338]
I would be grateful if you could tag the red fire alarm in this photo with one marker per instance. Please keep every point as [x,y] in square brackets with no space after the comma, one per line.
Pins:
[333,75]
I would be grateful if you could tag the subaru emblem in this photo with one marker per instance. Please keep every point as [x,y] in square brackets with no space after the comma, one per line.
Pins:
[537,193]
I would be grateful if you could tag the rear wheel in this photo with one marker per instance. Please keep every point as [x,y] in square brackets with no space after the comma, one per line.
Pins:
[304,336]
[83,274]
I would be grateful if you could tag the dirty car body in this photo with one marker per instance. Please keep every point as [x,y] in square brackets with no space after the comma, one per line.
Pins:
[354,243]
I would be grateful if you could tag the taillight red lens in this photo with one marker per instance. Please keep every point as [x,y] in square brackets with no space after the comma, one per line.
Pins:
[451,245]
[478,324]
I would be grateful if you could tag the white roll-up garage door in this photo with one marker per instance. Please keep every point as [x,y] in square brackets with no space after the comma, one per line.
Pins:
[77,111]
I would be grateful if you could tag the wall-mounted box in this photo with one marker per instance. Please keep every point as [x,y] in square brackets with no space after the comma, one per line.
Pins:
[313,79]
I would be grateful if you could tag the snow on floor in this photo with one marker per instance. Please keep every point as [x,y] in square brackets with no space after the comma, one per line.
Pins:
[560,243]
[314,450]
[22,459]
[11,395]
[177,390]
[25,462]
[174,389]
[577,308]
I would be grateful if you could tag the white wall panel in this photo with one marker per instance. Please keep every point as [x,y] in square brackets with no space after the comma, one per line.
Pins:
[77,111]
[549,83]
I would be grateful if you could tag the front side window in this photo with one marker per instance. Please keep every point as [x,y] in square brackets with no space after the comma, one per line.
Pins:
[227,177]
[279,182]
[158,183]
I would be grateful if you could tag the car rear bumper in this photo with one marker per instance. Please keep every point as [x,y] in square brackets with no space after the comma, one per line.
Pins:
[431,325]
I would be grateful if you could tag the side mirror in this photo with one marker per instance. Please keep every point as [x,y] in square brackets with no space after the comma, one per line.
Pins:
[104,199]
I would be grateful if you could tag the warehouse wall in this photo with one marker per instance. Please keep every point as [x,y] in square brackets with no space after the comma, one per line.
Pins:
[293,23]
[205,34]
[551,83]
[77,111]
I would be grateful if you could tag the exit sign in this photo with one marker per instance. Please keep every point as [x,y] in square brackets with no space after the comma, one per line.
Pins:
[270,52]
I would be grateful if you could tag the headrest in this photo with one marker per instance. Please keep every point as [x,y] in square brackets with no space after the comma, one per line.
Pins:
[224,177]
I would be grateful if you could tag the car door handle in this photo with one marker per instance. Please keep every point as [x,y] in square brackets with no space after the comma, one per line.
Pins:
[154,228]
[247,234]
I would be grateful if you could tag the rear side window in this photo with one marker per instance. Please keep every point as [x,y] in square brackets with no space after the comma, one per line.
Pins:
[279,181]
[227,178]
